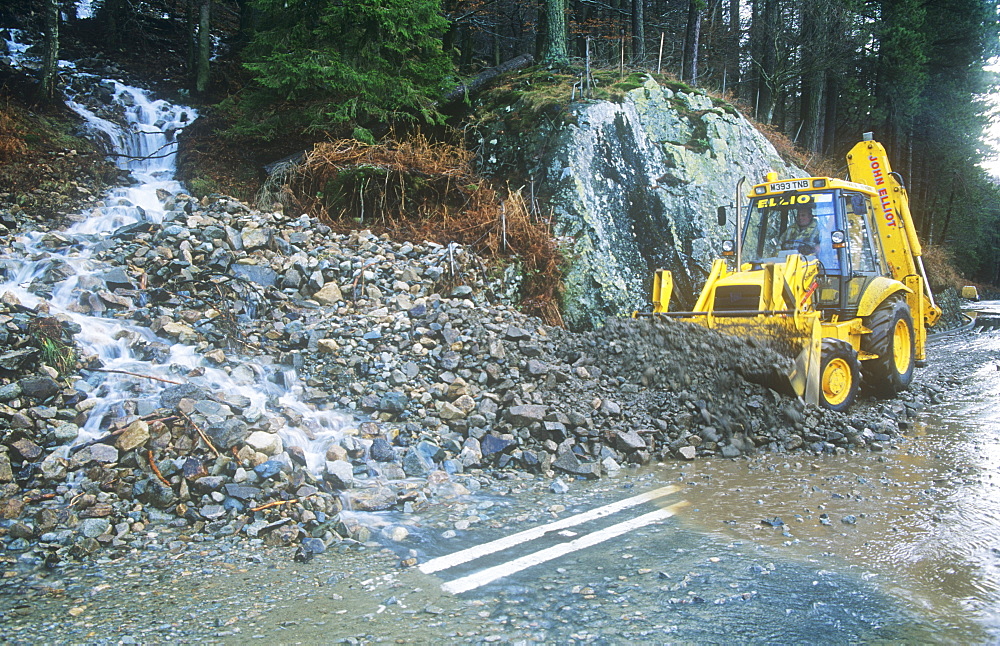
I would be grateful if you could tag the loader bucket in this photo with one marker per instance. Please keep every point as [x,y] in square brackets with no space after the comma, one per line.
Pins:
[804,377]
[795,336]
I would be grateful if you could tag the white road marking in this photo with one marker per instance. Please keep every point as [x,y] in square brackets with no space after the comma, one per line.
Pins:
[473,553]
[481,578]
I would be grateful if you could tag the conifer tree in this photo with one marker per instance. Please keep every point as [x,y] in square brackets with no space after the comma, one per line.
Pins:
[326,65]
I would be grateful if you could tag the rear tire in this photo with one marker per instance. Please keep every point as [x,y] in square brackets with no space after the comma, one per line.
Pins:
[839,375]
[892,340]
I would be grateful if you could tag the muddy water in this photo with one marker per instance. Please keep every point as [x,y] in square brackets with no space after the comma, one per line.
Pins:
[920,522]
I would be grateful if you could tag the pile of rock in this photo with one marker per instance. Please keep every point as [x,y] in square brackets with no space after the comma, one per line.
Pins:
[427,380]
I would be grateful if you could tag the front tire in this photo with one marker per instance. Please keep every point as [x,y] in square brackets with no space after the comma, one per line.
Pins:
[839,375]
[892,340]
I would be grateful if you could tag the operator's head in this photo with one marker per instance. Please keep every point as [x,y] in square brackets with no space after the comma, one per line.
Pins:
[803,214]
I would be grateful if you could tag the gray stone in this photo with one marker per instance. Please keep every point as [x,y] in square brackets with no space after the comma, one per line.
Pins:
[526,414]
[27,449]
[213,512]
[209,483]
[228,434]
[629,441]
[54,467]
[314,545]
[537,368]
[6,472]
[257,238]
[10,391]
[39,388]
[339,474]
[243,492]
[257,274]
[568,463]
[609,407]
[172,395]
[330,294]
[264,442]
[370,499]
[94,527]
[730,451]
[65,432]
[116,278]
[17,360]
[393,402]
[381,450]
[490,444]
[98,453]
[416,464]
[134,436]
[154,492]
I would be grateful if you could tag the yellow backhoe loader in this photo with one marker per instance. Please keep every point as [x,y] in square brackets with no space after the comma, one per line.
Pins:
[832,270]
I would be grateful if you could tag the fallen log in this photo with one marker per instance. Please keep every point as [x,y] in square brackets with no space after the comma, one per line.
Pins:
[485,77]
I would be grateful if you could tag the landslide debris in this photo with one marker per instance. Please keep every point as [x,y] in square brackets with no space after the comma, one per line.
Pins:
[419,382]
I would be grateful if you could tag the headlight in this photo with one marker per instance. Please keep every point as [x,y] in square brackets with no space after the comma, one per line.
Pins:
[837,237]
[760,190]
[728,245]
[819,183]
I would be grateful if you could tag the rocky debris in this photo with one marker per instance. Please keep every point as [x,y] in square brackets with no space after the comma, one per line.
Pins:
[443,381]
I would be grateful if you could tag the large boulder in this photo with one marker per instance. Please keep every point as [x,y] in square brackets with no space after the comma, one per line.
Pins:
[633,185]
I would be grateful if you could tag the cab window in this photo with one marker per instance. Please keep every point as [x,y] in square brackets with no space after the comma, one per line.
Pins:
[771,234]
[858,209]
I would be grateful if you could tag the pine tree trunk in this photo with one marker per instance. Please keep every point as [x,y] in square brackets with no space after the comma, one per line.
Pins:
[831,94]
[812,36]
[191,52]
[554,46]
[691,42]
[50,58]
[768,62]
[638,31]
[733,55]
[204,45]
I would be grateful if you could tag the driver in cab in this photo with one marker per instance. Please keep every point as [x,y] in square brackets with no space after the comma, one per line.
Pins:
[802,235]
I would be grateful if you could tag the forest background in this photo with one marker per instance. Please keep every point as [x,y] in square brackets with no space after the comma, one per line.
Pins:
[274,77]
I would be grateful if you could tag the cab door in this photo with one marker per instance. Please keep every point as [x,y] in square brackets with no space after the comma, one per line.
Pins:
[852,265]
[862,251]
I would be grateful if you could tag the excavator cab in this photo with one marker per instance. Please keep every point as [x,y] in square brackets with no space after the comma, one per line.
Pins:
[833,228]
[801,223]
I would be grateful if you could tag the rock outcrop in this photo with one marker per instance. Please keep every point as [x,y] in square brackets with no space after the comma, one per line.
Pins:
[634,186]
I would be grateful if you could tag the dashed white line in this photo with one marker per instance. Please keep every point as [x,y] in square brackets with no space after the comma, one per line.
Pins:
[488,575]
[473,553]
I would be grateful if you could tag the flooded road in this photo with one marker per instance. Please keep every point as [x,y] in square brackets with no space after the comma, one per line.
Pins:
[873,547]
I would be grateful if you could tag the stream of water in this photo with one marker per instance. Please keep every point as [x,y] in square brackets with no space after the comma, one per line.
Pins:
[146,146]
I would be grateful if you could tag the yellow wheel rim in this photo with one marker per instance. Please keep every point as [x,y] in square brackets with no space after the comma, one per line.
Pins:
[836,381]
[901,353]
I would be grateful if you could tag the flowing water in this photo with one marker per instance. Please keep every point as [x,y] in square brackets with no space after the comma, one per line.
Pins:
[144,143]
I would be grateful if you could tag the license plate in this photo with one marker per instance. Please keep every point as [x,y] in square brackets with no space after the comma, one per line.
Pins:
[792,185]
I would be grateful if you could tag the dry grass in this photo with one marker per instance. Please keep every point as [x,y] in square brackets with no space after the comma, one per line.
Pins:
[941,272]
[12,143]
[420,190]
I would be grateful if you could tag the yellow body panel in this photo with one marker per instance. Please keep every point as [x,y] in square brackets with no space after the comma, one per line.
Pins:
[879,289]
